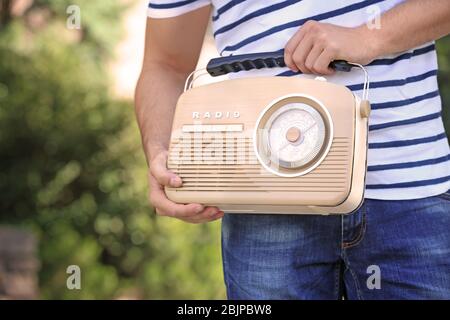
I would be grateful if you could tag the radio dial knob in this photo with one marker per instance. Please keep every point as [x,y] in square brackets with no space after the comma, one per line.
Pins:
[293,134]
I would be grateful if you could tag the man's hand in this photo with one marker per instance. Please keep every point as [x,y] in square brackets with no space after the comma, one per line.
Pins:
[407,25]
[160,177]
[316,45]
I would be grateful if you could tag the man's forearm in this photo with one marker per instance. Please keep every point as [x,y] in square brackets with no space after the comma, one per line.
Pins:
[410,24]
[157,92]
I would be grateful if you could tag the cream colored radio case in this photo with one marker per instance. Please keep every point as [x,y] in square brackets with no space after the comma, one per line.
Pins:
[214,147]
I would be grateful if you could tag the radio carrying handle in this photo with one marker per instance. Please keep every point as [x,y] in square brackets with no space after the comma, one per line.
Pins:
[245,62]
[224,65]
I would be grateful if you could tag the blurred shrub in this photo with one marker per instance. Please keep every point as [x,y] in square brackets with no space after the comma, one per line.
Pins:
[443,47]
[72,169]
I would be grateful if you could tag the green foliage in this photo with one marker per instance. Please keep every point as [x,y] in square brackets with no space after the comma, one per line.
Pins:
[101,22]
[73,172]
[443,47]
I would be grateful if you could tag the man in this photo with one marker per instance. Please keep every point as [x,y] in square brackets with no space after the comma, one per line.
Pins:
[398,244]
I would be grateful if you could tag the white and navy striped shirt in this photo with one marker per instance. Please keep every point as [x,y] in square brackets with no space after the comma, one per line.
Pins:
[409,154]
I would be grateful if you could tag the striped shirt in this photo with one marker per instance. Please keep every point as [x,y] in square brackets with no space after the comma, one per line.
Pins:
[409,154]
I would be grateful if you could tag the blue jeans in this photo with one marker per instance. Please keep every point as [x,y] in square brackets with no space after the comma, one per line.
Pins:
[385,250]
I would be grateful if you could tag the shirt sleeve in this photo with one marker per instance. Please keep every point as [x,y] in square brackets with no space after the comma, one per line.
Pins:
[173,8]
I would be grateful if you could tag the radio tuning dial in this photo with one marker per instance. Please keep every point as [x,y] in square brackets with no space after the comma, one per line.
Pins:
[292,136]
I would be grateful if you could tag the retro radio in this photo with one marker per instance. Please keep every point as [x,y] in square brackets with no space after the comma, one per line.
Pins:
[270,144]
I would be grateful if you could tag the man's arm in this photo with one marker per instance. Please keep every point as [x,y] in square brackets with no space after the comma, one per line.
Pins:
[405,26]
[171,52]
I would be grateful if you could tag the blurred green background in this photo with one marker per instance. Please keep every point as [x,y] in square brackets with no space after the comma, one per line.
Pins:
[72,170]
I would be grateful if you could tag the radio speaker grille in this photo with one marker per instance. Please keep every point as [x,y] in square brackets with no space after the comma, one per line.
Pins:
[213,167]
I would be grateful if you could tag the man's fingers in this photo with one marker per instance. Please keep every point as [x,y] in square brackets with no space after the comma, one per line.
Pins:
[301,52]
[158,168]
[290,47]
[165,207]
[312,57]
[322,63]
[208,215]
[159,200]
[168,208]
[215,218]
[193,212]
